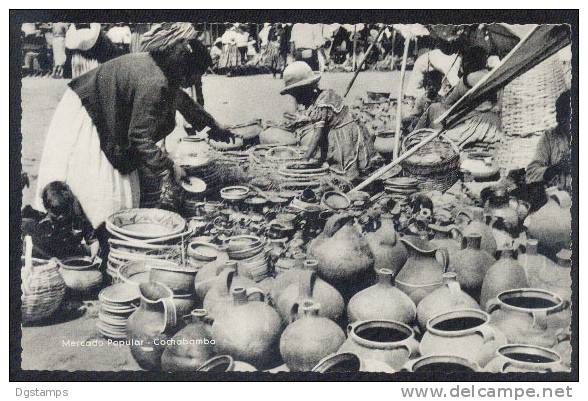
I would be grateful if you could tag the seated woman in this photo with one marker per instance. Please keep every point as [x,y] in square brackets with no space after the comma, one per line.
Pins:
[343,142]
[63,231]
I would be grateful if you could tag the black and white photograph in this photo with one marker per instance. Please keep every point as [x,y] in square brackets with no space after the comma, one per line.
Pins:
[362,198]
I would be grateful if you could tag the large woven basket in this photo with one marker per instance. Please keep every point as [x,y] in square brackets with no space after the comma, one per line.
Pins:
[43,290]
[528,102]
[515,152]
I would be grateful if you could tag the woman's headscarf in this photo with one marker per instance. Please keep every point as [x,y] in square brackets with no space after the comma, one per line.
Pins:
[161,36]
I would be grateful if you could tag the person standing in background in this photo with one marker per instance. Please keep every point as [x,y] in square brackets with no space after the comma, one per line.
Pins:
[306,41]
[90,47]
[120,36]
[59,30]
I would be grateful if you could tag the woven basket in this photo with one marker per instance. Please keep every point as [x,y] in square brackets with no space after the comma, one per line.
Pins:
[515,152]
[43,290]
[528,102]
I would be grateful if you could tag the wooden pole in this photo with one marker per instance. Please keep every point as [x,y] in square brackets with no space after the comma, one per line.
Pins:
[400,98]
[392,51]
[388,167]
[354,47]
[365,56]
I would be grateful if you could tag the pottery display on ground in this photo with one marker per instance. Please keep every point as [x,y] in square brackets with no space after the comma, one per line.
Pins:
[220,294]
[382,301]
[309,338]
[525,358]
[249,331]
[393,343]
[344,257]
[552,224]
[442,364]
[151,324]
[471,264]
[81,274]
[389,252]
[207,275]
[530,316]
[477,225]
[447,298]
[422,273]
[310,287]
[505,274]
[190,347]
[466,333]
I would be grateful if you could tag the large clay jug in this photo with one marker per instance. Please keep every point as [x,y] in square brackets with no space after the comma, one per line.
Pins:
[151,324]
[310,287]
[505,274]
[477,225]
[292,274]
[190,347]
[471,264]
[248,331]
[422,273]
[447,298]
[208,274]
[532,261]
[389,252]
[309,338]
[393,343]
[466,333]
[556,278]
[525,358]
[219,296]
[530,316]
[552,224]
[343,255]
[448,237]
[382,301]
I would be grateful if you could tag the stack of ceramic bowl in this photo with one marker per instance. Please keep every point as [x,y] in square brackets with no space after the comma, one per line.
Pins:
[194,188]
[251,256]
[303,174]
[401,187]
[117,302]
[235,193]
[202,168]
[143,234]
[202,252]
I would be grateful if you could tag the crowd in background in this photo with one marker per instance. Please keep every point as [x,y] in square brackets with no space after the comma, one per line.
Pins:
[58,49]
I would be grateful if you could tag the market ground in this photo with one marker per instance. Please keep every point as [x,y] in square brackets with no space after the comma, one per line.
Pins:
[232,101]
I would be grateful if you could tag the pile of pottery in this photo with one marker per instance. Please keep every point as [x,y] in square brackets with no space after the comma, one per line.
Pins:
[251,256]
[203,169]
[117,303]
[303,173]
[143,234]
[401,187]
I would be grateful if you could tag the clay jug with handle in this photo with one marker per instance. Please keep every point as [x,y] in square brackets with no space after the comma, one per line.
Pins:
[471,264]
[477,225]
[389,252]
[505,274]
[151,324]
[422,273]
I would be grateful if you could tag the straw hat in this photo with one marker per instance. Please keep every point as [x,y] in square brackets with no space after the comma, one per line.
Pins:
[298,74]
[82,39]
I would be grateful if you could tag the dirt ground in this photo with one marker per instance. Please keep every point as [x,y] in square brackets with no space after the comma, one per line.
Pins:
[231,100]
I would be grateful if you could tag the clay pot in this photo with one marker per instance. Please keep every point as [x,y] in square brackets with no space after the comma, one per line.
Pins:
[384,143]
[533,262]
[208,274]
[530,316]
[479,165]
[277,136]
[382,301]
[151,324]
[180,279]
[225,363]
[290,274]
[471,264]
[185,303]
[505,274]
[563,348]
[344,257]
[525,358]
[248,331]
[382,340]
[201,254]
[389,252]
[422,273]
[220,294]
[555,277]
[448,237]
[552,224]
[190,347]
[465,333]
[349,362]
[447,298]
[81,274]
[444,364]
[309,338]
[477,225]
[310,287]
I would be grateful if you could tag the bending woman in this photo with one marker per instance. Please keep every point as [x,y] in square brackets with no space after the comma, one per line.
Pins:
[343,142]
[107,125]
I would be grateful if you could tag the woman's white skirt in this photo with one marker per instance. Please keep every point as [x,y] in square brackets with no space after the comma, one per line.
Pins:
[72,154]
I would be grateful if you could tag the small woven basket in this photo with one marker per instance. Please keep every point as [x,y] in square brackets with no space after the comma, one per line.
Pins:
[435,165]
[528,102]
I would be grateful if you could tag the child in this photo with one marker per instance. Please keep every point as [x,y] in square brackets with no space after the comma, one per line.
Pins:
[432,82]
[59,233]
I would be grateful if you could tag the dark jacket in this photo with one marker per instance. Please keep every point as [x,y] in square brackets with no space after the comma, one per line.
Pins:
[133,105]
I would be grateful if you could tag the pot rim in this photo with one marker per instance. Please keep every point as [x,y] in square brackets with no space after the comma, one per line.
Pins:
[172,267]
[331,360]
[417,286]
[216,361]
[467,312]
[542,351]
[353,327]
[430,359]
[93,263]
[551,296]
[194,252]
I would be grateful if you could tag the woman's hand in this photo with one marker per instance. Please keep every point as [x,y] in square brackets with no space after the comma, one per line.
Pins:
[221,135]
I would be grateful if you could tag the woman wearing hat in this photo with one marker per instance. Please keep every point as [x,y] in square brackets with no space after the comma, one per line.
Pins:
[343,141]
[110,119]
